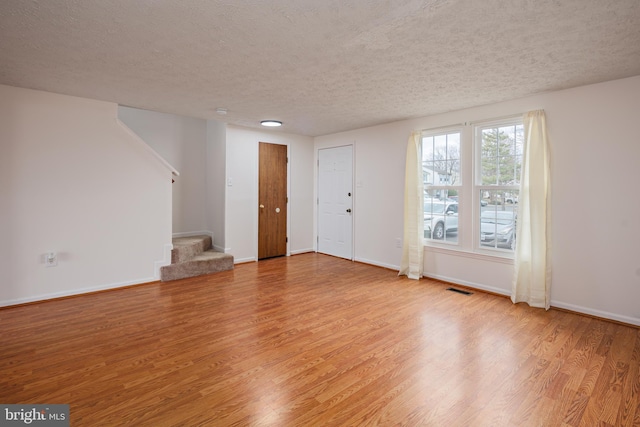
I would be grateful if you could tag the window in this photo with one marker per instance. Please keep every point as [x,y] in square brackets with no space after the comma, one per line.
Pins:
[471,177]
[442,182]
[499,162]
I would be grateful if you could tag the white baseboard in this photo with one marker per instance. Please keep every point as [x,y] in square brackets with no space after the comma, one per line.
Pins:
[558,304]
[53,295]
[378,264]
[596,313]
[241,260]
[301,251]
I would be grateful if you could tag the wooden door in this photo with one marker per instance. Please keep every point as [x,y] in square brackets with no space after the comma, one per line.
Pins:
[272,199]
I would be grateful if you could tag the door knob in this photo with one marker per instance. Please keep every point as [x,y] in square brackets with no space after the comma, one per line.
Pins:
[261,206]
[349,210]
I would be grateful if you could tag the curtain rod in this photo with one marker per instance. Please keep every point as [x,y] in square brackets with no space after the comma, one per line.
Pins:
[496,119]
[455,125]
[474,122]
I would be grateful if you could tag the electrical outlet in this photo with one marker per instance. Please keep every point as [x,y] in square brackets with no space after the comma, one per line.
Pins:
[50,259]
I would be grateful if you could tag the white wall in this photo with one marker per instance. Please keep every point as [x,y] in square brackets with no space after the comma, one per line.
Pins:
[241,207]
[207,154]
[595,211]
[77,182]
[379,157]
[215,182]
[182,141]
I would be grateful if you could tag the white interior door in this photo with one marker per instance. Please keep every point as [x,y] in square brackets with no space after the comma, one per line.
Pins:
[335,201]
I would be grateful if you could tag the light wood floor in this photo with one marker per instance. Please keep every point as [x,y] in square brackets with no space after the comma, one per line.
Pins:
[315,340]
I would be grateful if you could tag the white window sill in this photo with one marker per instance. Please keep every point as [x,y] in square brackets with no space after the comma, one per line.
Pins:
[507,258]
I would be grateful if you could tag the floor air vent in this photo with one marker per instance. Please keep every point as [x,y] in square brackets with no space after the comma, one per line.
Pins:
[460,291]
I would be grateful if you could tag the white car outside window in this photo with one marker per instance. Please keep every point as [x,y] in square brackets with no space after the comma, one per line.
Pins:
[440,218]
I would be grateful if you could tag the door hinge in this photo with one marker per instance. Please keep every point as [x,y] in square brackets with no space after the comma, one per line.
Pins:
[287,159]
[286,239]
[287,199]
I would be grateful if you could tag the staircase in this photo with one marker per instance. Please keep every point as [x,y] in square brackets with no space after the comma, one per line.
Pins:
[193,256]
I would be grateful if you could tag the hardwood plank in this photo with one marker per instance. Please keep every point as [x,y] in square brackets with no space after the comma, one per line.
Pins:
[316,340]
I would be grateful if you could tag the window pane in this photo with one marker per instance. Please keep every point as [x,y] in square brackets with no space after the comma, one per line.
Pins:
[440,147]
[498,213]
[519,140]
[489,157]
[441,159]
[441,216]
[428,173]
[454,176]
[501,155]
[509,167]
[440,170]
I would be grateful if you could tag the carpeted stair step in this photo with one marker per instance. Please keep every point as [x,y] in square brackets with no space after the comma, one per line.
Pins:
[205,263]
[193,256]
[185,248]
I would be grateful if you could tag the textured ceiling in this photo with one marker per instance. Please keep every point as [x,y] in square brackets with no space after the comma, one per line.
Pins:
[320,66]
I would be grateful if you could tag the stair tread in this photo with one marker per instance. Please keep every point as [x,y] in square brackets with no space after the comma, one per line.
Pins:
[185,241]
[185,248]
[210,254]
[193,256]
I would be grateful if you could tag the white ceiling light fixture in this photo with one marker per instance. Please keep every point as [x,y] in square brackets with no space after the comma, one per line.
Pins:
[271,123]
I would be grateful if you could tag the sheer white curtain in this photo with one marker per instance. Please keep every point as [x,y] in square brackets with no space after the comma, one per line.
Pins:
[412,264]
[532,278]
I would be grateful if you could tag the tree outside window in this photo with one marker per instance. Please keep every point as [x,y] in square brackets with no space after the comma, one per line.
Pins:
[500,160]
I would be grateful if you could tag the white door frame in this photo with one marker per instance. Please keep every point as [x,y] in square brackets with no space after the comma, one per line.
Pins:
[349,251]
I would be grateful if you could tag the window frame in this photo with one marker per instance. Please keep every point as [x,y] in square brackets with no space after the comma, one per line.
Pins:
[459,187]
[468,238]
[479,187]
